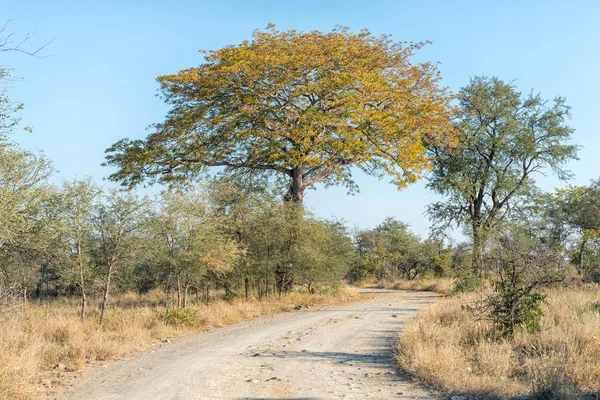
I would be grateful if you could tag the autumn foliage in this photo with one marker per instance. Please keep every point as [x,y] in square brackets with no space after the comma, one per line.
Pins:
[304,105]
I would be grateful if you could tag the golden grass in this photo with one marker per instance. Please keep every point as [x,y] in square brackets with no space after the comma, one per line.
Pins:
[446,347]
[33,342]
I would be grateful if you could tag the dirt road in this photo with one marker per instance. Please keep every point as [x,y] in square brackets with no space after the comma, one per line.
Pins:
[331,353]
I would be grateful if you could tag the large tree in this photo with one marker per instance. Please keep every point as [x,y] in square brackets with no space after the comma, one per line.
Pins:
[306,106]
[506,138]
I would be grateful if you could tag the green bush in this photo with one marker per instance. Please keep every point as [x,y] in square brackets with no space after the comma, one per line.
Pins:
[468,283]
[441,266]
[181,317]
[359,272]
[530,312]
[514,307]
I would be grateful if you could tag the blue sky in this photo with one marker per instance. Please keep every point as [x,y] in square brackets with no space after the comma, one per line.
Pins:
[99,83]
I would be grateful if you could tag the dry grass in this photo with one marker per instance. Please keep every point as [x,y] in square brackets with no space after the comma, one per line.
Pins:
[438,285]
[446,347]
[44,335]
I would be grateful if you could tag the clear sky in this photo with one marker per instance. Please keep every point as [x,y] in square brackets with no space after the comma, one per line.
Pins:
[99,83]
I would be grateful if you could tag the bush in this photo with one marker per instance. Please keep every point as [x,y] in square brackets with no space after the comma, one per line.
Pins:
[518,309]
[181,317]
[468,283]
[523,265]
[441,266]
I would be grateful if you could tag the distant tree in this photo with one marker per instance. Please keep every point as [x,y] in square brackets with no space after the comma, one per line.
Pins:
[191,243]
[577,208]
[324,254]
[78,198]
[118,234]
[305,106]
[391,251]
[24,228]
[506,138]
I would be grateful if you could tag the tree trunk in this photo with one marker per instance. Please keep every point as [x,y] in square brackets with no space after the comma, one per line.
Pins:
[178,292]
[259,289]
[106,292]
[246,287]
[81,282]
[83,304]
[296,189]
[580,262]
[477,256]
[186,288]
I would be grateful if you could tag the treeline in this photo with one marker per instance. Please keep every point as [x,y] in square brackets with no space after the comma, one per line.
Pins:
[77,239]
[390,251]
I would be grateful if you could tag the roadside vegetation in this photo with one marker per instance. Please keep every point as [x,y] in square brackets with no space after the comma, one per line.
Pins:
[523,320]
[453,350]
[43,344]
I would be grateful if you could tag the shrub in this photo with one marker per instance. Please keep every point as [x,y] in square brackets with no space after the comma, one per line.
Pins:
[441,266]
[181,317]
[468,283]
[510,309]
[523,265]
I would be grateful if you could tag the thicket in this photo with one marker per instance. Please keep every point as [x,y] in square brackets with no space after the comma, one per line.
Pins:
[79,240]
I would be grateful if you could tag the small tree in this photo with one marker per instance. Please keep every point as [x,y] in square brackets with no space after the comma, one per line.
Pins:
[24,228]
[191,243]
[324,255]
[78,198]
[118,223]
[266,245]
[236,202]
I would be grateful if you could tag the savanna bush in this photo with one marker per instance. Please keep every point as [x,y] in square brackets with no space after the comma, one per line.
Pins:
[468,283]
[181,317]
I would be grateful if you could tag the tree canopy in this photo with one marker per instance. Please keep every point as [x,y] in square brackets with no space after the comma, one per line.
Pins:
[305,106]
[506,137]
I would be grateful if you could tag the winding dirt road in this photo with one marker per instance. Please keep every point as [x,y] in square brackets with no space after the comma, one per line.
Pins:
[340,352]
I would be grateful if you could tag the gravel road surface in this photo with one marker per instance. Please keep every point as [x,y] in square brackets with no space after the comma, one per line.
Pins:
[343,352]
